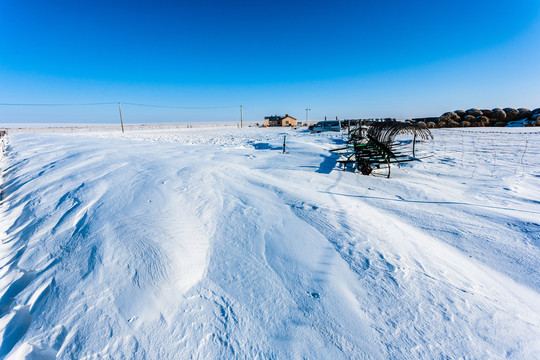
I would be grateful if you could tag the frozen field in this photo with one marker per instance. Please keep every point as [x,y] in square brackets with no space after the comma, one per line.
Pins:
[212,244]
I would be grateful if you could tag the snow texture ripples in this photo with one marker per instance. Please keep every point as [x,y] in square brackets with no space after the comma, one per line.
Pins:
[212,243]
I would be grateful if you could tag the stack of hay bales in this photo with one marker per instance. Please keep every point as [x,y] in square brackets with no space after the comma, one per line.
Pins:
[485,117]
[449,119]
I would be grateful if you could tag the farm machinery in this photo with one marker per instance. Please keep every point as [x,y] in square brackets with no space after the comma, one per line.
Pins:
[372,149]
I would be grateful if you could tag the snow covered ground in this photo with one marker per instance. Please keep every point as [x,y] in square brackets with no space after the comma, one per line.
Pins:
[212,243]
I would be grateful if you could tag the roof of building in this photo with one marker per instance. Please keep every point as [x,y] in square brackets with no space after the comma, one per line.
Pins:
[277,117]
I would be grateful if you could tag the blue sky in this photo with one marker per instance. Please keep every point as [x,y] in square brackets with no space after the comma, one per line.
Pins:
[345,58]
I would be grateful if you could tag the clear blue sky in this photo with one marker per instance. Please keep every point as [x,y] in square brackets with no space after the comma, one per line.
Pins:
[343,58]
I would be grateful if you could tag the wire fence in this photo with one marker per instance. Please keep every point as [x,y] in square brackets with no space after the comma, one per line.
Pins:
[87,129]
[484,154]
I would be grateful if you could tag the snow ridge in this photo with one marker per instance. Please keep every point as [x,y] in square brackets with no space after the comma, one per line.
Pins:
[212,243]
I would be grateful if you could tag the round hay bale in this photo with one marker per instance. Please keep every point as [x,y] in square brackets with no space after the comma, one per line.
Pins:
[536,111]
[460,113]
[443,118]
[500,123]
[498,114]
[451,115]
[524,113]
[442,123]
[492,122]
[474,112]
[452,124]
[431,125]
[465,124]
[487,112]
[482,119]
[511,114]
[469,118]
[421,125]
[537,122]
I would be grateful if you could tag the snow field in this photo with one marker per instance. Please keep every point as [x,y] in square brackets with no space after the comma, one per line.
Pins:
[211,243]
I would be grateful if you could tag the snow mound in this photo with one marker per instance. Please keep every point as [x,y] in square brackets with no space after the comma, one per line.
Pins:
[212,243]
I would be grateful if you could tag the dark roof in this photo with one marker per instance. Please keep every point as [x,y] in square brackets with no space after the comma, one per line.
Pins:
[274,118]
[277,117]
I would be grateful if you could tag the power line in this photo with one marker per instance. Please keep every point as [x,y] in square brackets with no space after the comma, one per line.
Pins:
[126,103]
[181,107]
[79,104]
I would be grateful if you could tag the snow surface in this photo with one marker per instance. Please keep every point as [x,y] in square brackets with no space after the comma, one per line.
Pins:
[212,243]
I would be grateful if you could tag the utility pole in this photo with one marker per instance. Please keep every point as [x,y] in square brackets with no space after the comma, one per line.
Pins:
[121,122]
[241,116]
[307,109]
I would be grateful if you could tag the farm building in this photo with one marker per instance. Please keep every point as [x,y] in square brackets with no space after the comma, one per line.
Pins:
[279,120]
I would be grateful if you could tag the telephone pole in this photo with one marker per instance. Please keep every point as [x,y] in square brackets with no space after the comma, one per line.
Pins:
[121,122]
[241,116]
[307,109]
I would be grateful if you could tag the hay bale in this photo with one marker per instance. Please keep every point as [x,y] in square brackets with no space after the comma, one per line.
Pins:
[498,114]
[469,118]
[524,113]
[465,124]
[442,123]
[452,124]
[443,118]
[460,113]
[451,115]
[536,111]
[486,112]
[511,114]
[535,120]
[474,112]
[421,125]
[431,125]
[483,119]
[501,123]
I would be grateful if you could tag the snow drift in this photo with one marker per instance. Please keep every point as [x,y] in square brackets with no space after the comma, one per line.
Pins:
[211,243]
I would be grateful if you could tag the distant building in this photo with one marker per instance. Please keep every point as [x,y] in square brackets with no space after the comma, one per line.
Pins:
[279,120]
